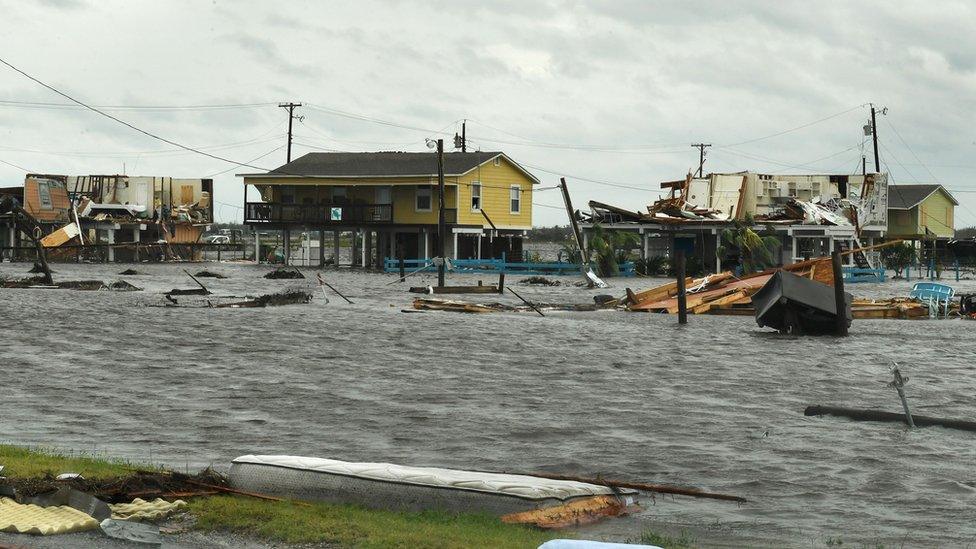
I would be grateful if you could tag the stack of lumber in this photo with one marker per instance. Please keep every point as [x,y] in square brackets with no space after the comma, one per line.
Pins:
[726,294]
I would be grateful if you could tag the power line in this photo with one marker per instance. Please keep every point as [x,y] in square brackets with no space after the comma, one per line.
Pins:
[124,123]
[69,106]
[256,158]
[16,166]
[800,127]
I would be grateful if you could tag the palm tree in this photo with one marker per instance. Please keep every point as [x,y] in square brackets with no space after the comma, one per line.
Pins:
[755,252]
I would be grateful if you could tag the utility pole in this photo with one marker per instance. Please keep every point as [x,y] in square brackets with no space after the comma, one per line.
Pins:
[461,141]
[701,155]
[441,228]
[874,138]
[291,117]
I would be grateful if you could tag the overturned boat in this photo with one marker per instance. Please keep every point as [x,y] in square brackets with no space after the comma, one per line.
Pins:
[797,305]
[517,498]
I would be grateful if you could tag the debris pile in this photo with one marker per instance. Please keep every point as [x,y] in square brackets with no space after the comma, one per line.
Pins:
[291,297]
[539,281]
[209,274]
[129,272]
[284,273]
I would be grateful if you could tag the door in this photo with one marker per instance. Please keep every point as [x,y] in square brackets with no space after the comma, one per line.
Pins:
[383,211]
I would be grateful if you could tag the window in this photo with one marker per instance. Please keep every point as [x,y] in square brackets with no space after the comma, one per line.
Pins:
[475,196]
[423,198]
[498,161]
[287,194]
[44,192]
[515,198]
[338,195]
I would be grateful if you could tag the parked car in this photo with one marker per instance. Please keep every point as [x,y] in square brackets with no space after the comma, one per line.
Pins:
[217,239]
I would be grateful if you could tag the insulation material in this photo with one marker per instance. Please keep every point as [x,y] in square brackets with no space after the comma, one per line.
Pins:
[140,509]
[44,521]
[520,486]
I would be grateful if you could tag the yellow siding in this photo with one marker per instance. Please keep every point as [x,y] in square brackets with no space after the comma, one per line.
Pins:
[495,192]
[496,182]
[936,213]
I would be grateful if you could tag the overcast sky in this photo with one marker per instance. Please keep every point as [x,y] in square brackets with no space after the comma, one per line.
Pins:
[612,92]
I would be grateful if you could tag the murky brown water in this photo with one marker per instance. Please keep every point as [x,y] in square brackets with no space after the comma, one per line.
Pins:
[630,396]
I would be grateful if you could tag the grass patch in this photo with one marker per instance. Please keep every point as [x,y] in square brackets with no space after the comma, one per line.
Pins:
[21,462]
[351,526]
[684,540]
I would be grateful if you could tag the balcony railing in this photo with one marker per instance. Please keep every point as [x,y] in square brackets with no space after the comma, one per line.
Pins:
[329,214]
[336,214]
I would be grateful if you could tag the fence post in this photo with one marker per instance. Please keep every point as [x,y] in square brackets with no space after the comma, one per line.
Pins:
[679,268]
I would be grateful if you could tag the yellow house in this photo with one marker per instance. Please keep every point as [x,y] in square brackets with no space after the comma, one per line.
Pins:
[921,212]
[391,199]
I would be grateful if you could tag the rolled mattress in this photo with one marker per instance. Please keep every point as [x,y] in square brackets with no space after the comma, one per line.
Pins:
[390,486]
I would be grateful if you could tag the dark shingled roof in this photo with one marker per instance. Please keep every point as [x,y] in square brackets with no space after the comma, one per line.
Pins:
[905,197]
[382,164]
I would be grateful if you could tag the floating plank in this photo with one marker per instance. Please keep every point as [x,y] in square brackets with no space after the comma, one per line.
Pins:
[479,289]
[877,415]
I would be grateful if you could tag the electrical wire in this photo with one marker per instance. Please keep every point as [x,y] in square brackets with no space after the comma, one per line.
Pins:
[800,127]
[16,166]
[69,106]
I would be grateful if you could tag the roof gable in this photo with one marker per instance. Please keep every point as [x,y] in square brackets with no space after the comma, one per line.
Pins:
[906,197]
[386,164]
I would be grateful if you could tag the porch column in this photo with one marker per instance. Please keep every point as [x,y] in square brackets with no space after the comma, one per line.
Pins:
[424,236]
[321,248]
[135,238]
[286,240]
[335,241]
[455,254]
[368,250]
[111,243]
[257,247]
[479,246]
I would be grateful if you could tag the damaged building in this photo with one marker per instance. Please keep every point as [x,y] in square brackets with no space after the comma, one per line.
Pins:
[116,217]
[811,215]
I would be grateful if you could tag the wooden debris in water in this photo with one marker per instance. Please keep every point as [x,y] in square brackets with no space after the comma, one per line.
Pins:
[284,273]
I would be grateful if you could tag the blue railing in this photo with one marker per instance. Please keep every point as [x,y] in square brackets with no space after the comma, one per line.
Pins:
[854,275]
[488,266]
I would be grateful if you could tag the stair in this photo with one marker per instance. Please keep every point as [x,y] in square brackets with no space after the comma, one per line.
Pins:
[860,260]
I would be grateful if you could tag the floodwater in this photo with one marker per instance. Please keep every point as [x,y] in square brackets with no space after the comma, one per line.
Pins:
[717,404]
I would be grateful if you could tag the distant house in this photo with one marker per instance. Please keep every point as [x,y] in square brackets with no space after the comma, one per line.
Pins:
[920,212]
[389,201]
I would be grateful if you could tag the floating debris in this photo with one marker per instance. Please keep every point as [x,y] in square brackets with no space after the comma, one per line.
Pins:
[38,268]
[129,272]
[539,281]
[209,274]
[293,297]
[123,286]
[284,273]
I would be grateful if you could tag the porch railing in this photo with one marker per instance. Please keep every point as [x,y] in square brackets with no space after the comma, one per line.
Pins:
[264,212]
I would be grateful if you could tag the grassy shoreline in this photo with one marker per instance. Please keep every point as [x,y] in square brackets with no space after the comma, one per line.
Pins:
[294,522]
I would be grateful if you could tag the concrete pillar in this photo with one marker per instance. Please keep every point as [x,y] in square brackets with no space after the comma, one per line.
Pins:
[135,238]
[257,247]
[424,237]
[321,248]
[479,246]
[335,246]
[643,245]
[286,242]
[455,254]
[368,262]
[111,248]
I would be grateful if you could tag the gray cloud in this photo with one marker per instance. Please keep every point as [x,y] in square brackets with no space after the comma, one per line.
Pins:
[623,74]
